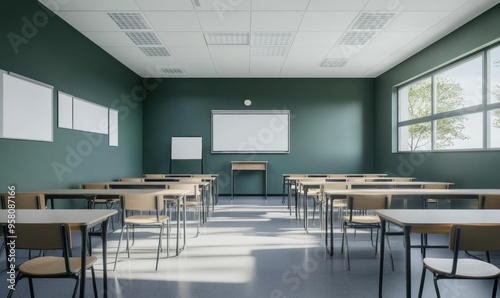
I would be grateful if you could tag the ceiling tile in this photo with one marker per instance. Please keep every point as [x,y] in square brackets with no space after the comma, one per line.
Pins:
[230,21]
[276,21]
[327,21]
[90,5]
[322,5]
[222,6]
[124,52]
[89,20]
[316,39]
[308,52]
[378,53]
[165,5]
[197,67]
[182,39]
[226,52]
[232,67]
[395,39]
[408,5]
[186,52]
[104,39]
[344,52]
[414,21]
[173,21]
[279,5]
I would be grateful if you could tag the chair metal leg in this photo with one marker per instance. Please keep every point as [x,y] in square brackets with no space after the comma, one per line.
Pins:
[422,281]
[76,287]
[159,248]
[435,279]
[94,283]
[11,291]
[118,249]
[32,292]
[495,286]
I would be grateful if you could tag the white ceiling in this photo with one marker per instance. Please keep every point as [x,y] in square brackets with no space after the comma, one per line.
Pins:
[268,38]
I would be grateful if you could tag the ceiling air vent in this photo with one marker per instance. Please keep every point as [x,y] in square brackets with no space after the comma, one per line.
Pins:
[130,20]
[333,62]
[372,20]
[356,38]
[144,38]
[173,71]
[155,51]
[227,38]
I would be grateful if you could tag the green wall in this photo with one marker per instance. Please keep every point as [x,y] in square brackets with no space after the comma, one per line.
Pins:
[331,126]
[466,169]
[39,45]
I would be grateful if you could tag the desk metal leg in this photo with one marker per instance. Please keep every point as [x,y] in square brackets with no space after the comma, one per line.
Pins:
[382,252]
[305,209]
[84,232]
[178,211]
[331,227]
[407,230]
[232,184]
[104,232]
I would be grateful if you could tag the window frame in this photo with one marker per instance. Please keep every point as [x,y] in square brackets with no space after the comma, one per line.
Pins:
[484,107]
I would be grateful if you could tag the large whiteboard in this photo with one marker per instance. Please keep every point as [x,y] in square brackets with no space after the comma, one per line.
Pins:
[91,117]
[25,109]
[254,131]
[186,148]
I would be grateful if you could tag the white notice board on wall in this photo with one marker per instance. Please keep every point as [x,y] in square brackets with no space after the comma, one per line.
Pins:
[91,117]
[254,131]
[187,148]
[25,109]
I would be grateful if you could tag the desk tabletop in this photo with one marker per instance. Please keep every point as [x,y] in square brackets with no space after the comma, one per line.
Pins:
[81,217]
[421,217]
[113,191]
[374,183]
[417,191]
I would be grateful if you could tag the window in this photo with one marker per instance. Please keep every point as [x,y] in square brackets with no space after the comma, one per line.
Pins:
[453,108]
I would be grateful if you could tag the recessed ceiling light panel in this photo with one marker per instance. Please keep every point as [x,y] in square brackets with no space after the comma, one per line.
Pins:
[268,51]
[227,38]
[271,38]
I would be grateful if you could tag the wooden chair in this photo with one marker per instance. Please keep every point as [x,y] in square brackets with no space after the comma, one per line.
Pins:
[130,203]
[364,219]
[49,237]
[489,202]
[154,176]
[337,204]
[109,202]
[192,200]
[312,193]
[466,238]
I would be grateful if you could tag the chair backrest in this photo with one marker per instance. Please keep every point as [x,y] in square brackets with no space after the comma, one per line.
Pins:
[436,186]
[23,201]
[475,237]
[132,179]
[190,179]
[356,179]
[154,175]
[193,188]
[402,179]
[489,202]
[142,202]
[43,236]
[367,202]
[334,186]
[95,186]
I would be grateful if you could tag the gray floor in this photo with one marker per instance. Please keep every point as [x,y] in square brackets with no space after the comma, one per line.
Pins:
[251,247]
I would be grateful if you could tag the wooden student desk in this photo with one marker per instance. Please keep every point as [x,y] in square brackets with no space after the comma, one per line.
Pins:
[85,219]
[203,186]
[410,218]
[248,166]
[358,186]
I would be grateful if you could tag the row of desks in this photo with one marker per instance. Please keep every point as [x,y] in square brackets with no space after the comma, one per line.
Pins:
[407,219]
[88,218]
